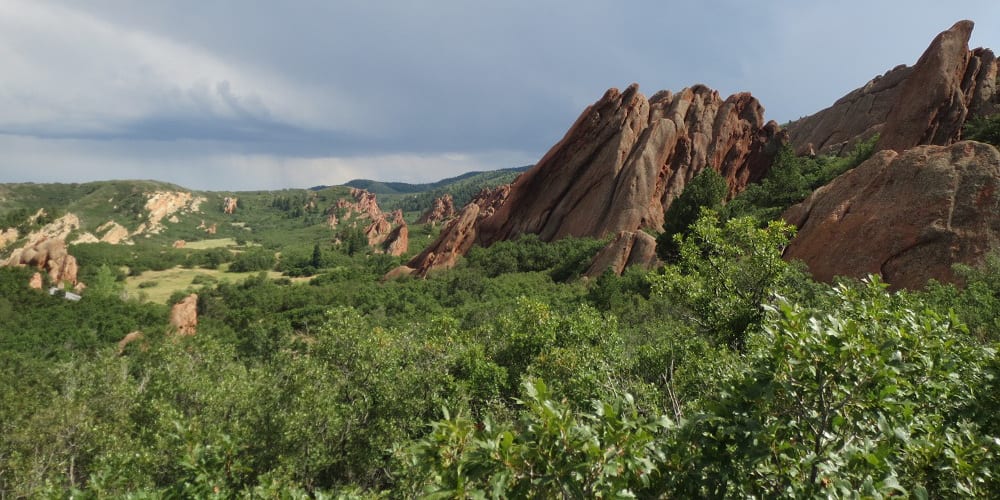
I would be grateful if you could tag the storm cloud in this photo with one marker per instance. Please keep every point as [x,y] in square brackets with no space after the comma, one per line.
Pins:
[262,95]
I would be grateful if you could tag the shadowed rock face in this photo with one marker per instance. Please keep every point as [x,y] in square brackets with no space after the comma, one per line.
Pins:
[906,216]
[908,106]
[618,168]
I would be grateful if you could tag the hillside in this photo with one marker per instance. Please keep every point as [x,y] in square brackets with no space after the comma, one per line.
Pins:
[447,185]
[679,300]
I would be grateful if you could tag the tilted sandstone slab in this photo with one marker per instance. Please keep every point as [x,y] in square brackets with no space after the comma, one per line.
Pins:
[618,168]
[927,103]
[905,216]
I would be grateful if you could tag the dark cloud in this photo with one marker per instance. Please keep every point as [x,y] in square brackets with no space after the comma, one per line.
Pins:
[271,86]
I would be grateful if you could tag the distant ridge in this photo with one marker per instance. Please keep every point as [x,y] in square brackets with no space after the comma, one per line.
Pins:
[379,187]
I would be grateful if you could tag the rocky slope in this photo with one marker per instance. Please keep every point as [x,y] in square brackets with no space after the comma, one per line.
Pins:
[908,106]
[618,168]
[905,216]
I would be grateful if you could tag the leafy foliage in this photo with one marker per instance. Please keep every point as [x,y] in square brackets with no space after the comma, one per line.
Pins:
[791,179]
[984,129]
[728,373]
[725,273]
[707,190]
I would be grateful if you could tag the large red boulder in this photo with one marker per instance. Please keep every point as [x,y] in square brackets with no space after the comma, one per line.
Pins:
[905,216]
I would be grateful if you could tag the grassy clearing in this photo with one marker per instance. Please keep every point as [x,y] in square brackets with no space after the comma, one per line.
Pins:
[158,286]
[207,244]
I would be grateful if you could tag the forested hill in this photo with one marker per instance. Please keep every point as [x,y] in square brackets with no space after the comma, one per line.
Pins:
[476,177]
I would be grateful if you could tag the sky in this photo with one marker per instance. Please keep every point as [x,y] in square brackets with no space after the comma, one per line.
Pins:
[253,94]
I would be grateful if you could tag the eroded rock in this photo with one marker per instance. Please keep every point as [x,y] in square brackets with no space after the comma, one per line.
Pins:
[619,168]
[442,209]
[905,216]
[927,103]
[184,315]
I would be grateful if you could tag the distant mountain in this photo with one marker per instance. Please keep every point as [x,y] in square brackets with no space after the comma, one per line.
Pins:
[379,187]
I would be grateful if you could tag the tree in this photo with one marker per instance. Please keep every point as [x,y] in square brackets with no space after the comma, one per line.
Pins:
[105,283]
[708,189]
[725,272]
[983,129]
[317,257]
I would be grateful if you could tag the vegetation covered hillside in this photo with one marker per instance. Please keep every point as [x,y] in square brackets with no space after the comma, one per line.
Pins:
[727,372]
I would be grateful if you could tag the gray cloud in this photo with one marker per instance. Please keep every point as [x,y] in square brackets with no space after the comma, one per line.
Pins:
[196,92]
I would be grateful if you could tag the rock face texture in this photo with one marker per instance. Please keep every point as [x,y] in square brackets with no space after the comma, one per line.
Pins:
[48,255]
[398,241]
[36,281]
[441,210]
[364,204]
[459,235]
[114,234]
[628,248]
[8,236]
[229,205]
[164,204]
[906,216]
[618,169]
[184,315]
[908,106]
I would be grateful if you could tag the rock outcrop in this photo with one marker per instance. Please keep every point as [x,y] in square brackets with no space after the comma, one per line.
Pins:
[229,205]
[364,204]
[618,168]
[180,244]
[48,255]
[114,233]
[378,231]
[8,236]
[442,209]
[398,241]
[184,315]
[163,204]
[628,248]
[459,235]
[906,216]
[908,106]
[36,281]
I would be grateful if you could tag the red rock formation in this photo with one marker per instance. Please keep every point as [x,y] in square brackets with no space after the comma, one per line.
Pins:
[397,217]
[184,315]
[628,248]
[618,169]
[398,241]
[378,231]
[924,104]
[229,205]
[459,235]
[442,209]
[36,281]
[49,255]
[907,216]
